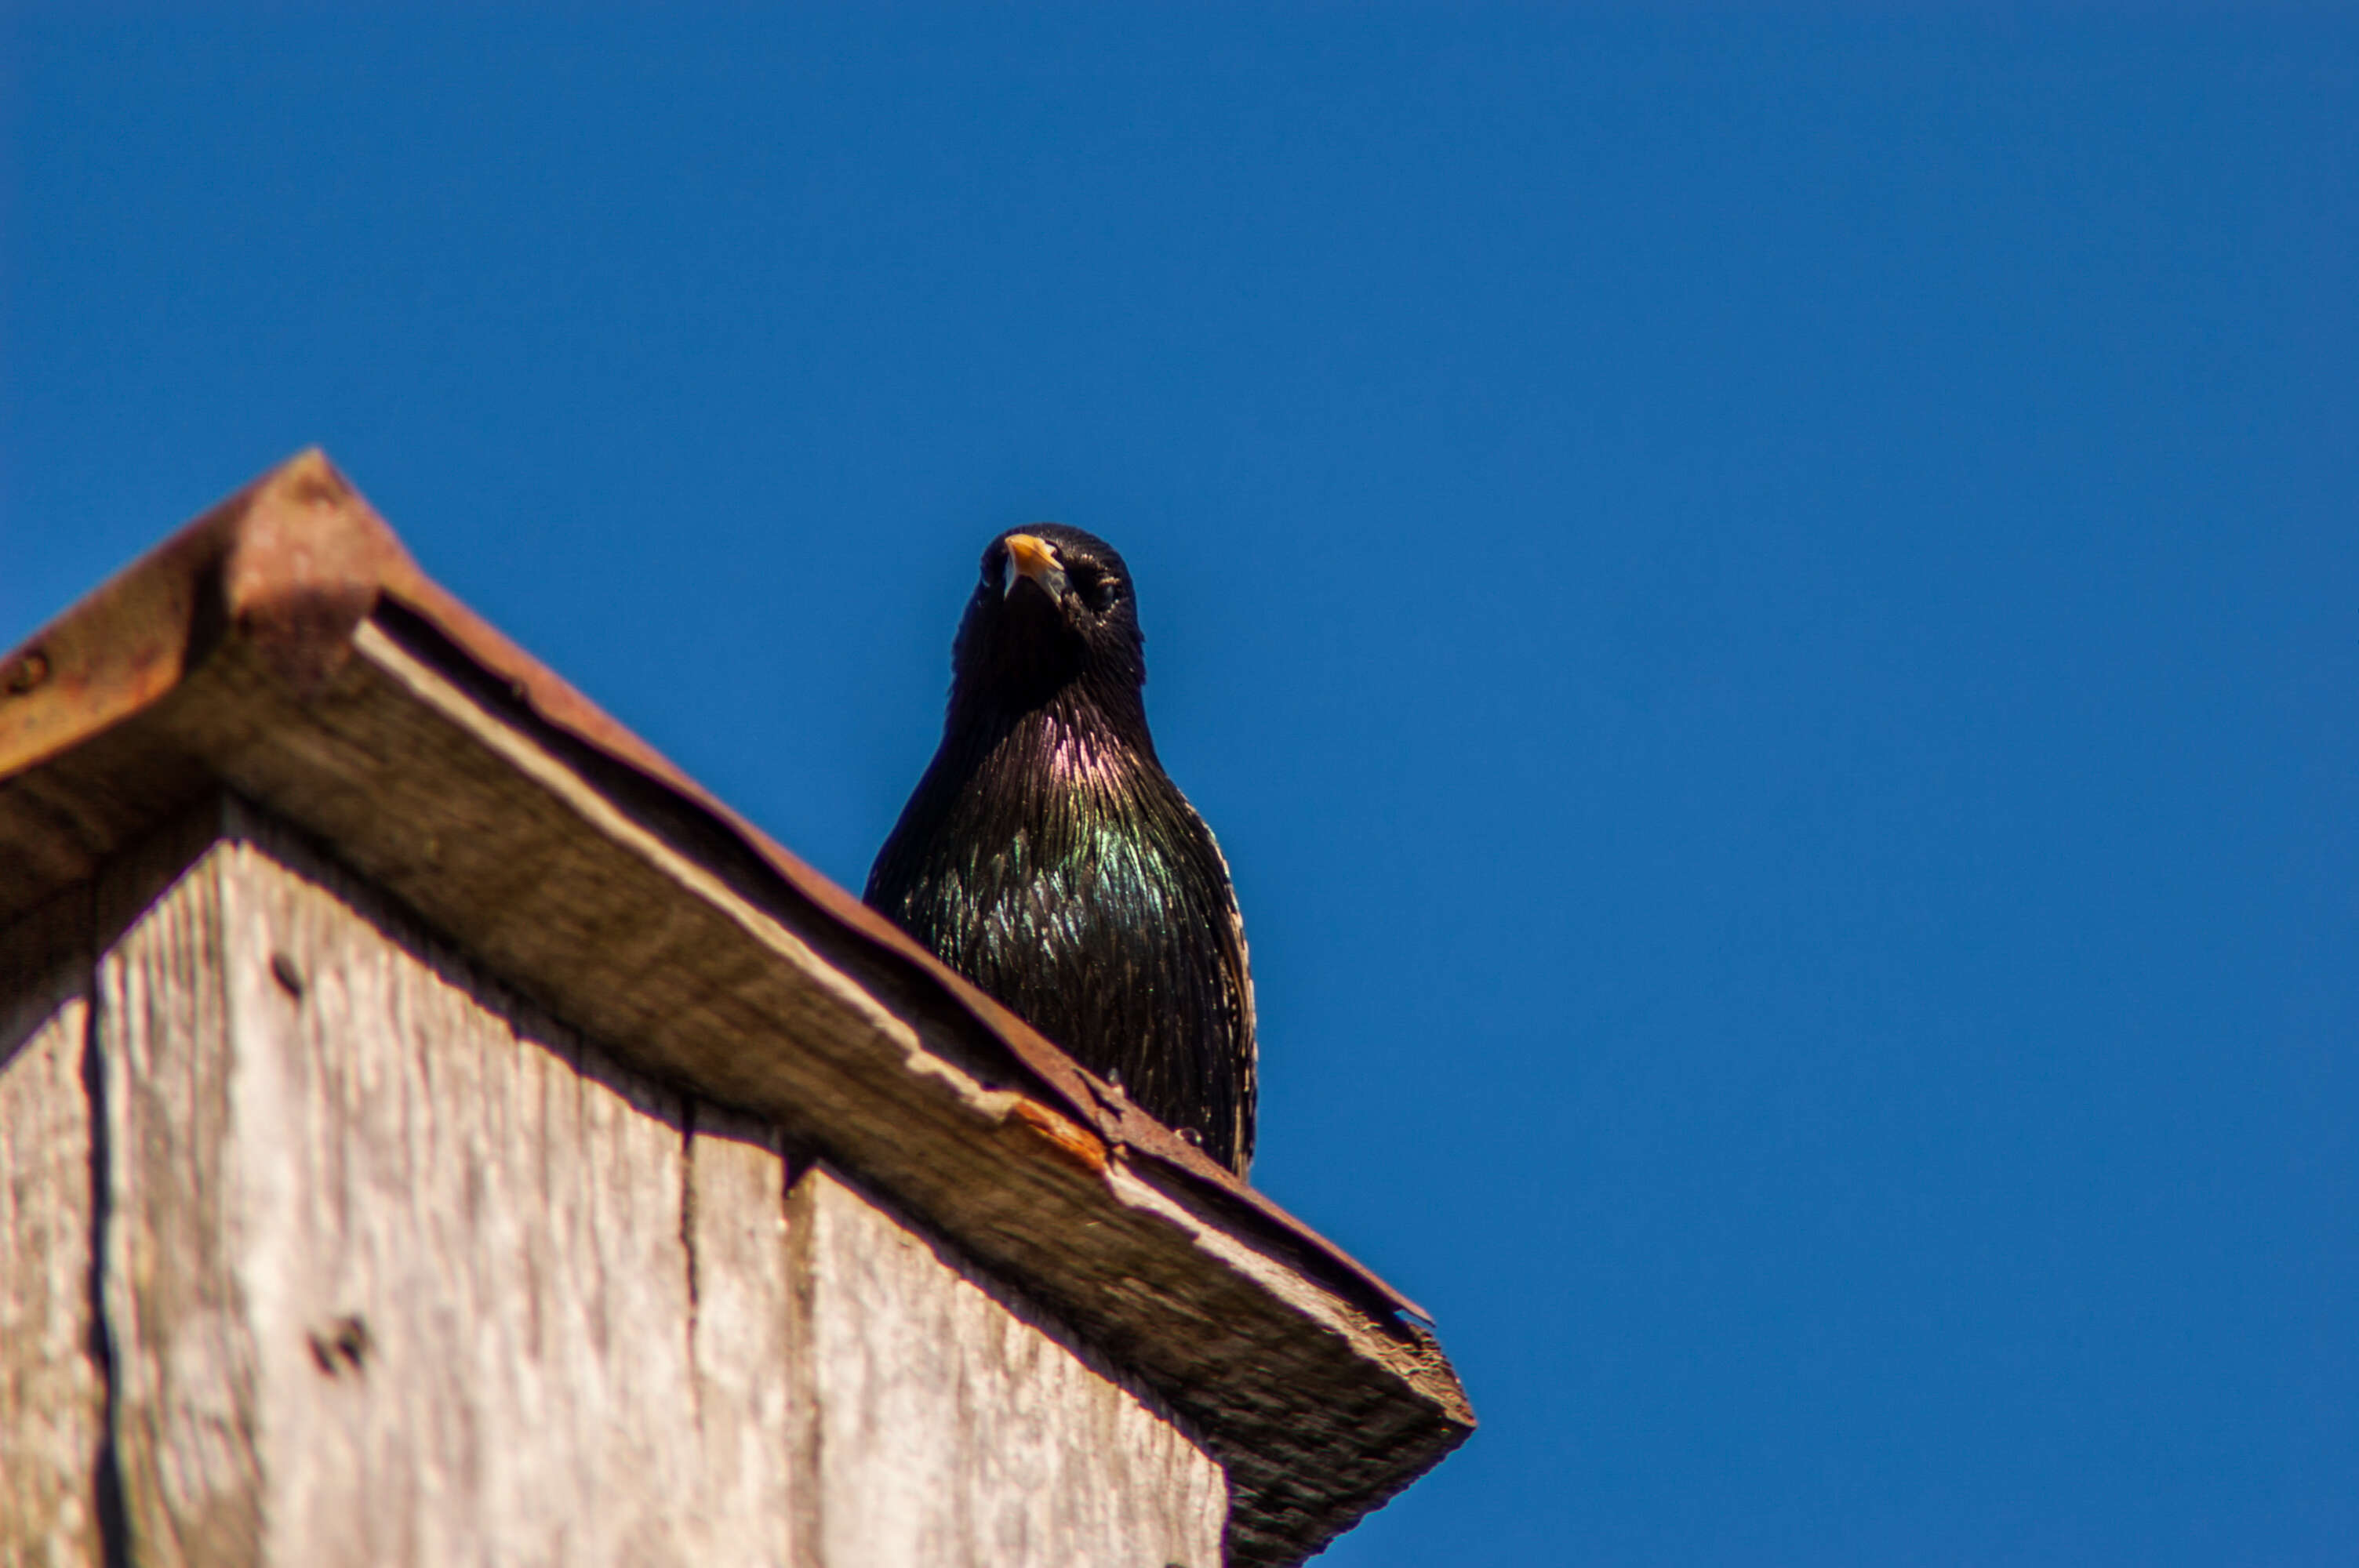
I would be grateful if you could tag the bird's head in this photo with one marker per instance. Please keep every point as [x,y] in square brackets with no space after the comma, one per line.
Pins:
[1054,612]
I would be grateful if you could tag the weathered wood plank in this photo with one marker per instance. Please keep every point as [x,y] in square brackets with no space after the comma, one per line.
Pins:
[52,1398]
[949,1422]
[739,1291]
[504,1210]
[435,1303]
[176,1314]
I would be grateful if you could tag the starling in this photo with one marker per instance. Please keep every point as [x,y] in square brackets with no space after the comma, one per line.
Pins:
[1045,856]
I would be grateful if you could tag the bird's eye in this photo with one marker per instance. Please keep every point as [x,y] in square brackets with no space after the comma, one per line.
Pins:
[1095,587]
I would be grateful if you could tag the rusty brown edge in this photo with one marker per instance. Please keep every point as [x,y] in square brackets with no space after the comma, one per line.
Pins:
[295,561]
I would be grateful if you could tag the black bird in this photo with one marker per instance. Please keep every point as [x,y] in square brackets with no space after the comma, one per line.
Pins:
[1048,858]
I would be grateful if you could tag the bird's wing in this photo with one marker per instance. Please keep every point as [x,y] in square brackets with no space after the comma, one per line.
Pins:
[1236,968]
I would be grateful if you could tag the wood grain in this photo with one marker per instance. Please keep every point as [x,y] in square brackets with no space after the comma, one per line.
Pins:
[949,1422]
[739,1293]
[184,1358]
[434,1305]
[52,1399]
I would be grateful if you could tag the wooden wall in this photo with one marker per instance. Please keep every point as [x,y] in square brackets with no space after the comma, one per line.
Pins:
[52,1394]
[393,1268]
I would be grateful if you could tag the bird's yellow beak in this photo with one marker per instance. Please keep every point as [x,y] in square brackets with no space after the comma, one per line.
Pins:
[1028,556]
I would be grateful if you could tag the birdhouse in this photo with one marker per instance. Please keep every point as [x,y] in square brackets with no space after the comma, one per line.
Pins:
[433,1131]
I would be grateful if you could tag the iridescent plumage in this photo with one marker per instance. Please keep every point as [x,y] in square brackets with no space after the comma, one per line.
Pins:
[1045,856]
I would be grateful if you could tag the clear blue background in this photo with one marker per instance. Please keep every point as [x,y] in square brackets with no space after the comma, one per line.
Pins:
[1764,608]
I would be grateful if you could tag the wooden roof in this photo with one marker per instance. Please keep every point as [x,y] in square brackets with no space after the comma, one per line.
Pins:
[285,646]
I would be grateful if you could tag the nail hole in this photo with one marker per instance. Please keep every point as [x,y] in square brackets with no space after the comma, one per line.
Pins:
[283,969]
[340,1344]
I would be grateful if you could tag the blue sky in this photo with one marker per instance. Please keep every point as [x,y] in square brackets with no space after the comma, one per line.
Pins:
[1764,607]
